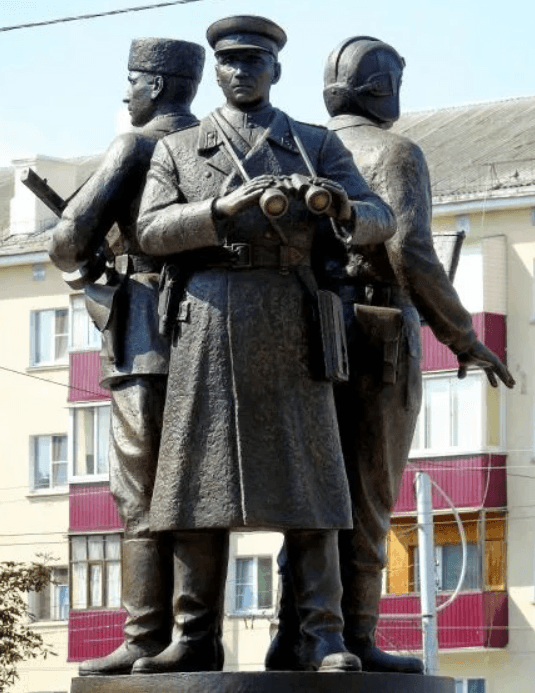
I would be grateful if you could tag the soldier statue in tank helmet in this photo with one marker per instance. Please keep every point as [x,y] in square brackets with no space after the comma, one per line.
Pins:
[380,285]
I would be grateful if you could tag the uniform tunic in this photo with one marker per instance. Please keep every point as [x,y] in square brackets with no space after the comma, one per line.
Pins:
[250,438]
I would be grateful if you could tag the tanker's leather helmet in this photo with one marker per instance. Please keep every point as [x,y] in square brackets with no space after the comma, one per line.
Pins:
[362,76]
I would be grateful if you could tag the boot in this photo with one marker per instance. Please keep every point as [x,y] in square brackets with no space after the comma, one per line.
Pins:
[283,652]
[314,565]
[200,569]
[360,607]
[147,600]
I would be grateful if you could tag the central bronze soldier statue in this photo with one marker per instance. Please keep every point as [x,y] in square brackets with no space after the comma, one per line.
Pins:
[250,437]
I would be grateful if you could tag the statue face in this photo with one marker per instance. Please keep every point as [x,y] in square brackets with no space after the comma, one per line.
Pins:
[140,97]
[246,76]
[380,72]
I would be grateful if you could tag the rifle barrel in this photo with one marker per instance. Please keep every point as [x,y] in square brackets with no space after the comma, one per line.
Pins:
[43,191]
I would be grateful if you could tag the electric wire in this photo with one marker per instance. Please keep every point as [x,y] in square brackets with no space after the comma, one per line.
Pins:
[97,15]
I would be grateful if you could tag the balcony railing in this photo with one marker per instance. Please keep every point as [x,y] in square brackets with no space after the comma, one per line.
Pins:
[472,481]
[94,633]
[474,619]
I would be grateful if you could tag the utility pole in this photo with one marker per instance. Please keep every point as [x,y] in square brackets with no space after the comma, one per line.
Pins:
[427,573]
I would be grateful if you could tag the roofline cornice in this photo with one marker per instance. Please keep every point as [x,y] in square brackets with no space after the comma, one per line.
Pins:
[485,204]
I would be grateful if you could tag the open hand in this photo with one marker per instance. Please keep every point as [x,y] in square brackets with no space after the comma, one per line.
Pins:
[479,355]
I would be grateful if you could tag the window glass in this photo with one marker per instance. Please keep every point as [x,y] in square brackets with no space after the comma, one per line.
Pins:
[113,584]
[91,439]
[95,585]
[265,583]
[475,686]
[62,334]
[49,464]
[103,433]
[84,334]
[96,571]
[448,564]
[41,476]
[437,409]
[451,417]
[44,336]
[52,602]
[96,548]
[244,584]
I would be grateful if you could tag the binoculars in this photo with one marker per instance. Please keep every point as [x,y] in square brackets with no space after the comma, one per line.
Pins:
[274,201]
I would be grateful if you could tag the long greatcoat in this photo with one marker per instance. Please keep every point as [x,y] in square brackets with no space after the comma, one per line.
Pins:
[250,438]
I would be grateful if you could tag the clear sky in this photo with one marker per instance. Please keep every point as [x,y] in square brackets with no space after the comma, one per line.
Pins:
[62,85]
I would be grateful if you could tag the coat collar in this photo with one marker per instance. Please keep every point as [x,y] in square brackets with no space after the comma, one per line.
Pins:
[210,138]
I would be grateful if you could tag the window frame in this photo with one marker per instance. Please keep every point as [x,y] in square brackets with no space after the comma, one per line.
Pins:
[35,341]
[464,683]
[254,610]
[51,488]
[104,564]
[89,328]
[53,601]
[85,478]
[439,569]
[422,425]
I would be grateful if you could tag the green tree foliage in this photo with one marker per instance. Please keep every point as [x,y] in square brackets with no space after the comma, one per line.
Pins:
[17,640]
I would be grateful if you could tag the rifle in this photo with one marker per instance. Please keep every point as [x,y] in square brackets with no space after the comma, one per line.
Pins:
[93,268]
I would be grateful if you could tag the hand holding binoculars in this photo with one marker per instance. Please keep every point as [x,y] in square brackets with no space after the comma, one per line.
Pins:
[274,201]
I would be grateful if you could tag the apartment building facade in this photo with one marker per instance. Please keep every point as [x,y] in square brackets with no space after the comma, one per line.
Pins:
[477,443]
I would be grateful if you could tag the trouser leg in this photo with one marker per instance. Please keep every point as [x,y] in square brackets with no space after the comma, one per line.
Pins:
[136,418]
[283,652]
[314,566]
[200,569]
[376,422]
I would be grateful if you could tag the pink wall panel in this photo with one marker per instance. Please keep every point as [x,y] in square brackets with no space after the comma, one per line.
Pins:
[94,633]
[92,508]
[472,481]
[474,619]
[490,329]
[84,376]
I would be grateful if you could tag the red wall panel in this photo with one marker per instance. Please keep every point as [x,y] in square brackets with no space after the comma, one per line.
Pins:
[94,633]
[474,619]
[490,329]
[92,508]
[84,376]
[471,481]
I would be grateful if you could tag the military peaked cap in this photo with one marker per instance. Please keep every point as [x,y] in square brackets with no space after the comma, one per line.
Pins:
[167,57]
[246,31]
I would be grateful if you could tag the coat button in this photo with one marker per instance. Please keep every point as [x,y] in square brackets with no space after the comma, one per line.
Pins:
[208,174]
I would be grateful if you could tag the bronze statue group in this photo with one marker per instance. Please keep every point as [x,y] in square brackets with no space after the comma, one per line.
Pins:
[260,342]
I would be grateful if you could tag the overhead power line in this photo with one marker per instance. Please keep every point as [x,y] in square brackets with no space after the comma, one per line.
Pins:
[109,13]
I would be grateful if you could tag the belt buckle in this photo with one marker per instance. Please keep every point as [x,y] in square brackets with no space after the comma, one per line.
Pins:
[242,255]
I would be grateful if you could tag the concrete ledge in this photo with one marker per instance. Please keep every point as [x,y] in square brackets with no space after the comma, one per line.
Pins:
[263,682]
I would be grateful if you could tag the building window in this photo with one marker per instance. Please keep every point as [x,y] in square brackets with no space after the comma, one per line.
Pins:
[253,585]
[84,334]
[96,571]
[52,602]
[90,427]
[470,686]
[451,415]
[448,564]
[49,462]
[49,337]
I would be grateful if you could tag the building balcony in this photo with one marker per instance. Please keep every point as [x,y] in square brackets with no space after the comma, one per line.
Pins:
[94,633]
[84,376]
[490,328]
[474,620]
[471,481]
[92,509]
